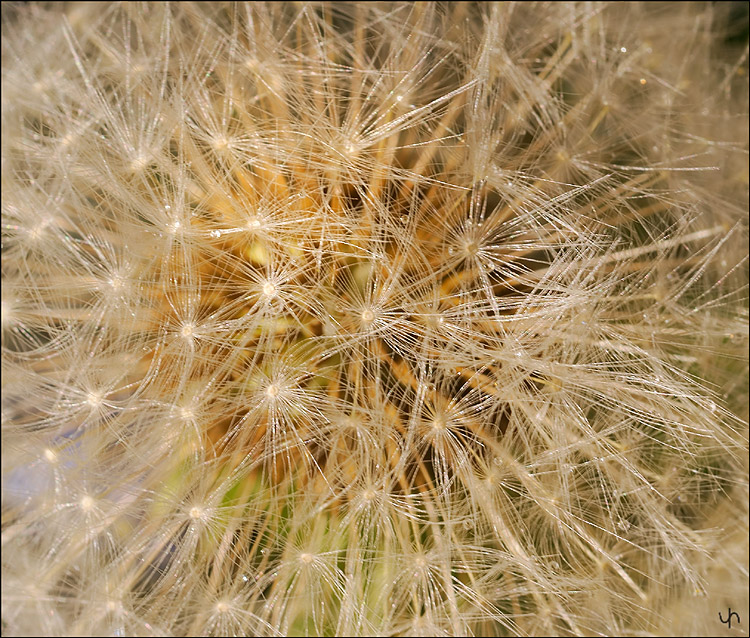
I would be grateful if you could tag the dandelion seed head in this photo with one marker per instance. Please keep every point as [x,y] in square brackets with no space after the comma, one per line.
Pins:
[384,300]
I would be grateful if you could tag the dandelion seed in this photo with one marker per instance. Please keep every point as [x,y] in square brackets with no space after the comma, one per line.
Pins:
[272,391]
[6,312]
[471,248]
[94,399]
[38,231]
[196,512]
[139,163]
[220,143]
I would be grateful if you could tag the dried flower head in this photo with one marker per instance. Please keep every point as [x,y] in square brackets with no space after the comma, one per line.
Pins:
[374,319]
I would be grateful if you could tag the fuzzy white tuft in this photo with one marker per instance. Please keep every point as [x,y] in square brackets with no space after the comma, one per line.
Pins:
[374,319]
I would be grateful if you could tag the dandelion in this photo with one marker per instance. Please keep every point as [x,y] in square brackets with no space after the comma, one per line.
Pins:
[374,319]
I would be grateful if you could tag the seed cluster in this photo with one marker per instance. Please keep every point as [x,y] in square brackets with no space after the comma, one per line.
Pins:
[371,319]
